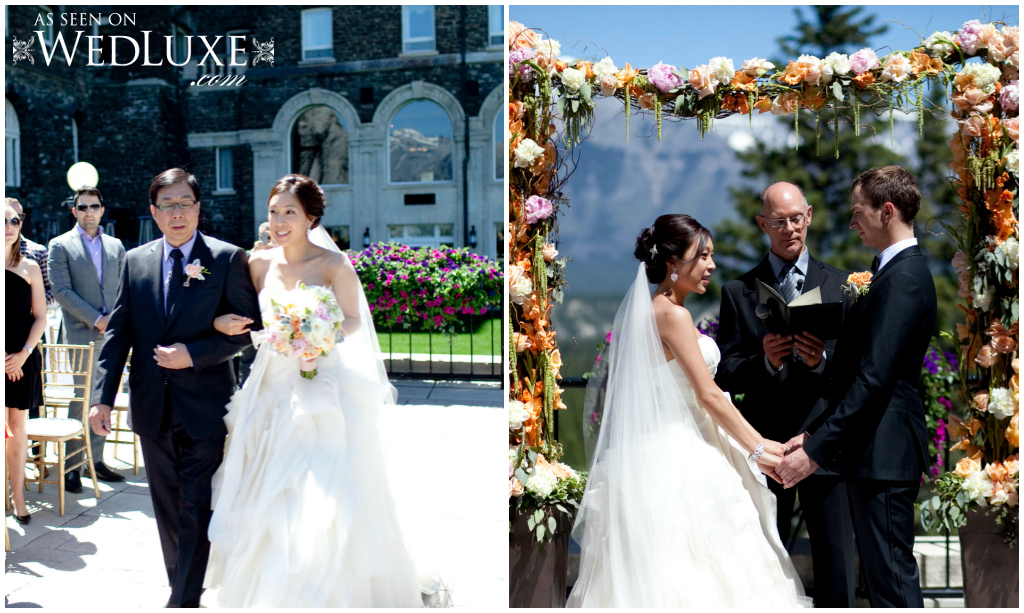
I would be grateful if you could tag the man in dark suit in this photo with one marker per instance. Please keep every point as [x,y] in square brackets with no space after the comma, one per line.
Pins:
[783,381]
[181,376]
[874,429]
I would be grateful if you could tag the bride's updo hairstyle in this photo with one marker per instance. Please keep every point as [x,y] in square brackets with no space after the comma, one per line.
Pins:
[668,240]
[309,194]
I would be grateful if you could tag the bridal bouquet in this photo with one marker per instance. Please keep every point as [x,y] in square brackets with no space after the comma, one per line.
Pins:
[305,323]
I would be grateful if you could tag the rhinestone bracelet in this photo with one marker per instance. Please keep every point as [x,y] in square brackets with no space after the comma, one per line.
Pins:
[757,453]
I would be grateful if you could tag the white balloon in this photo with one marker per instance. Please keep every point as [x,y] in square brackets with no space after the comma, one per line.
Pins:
[81,175]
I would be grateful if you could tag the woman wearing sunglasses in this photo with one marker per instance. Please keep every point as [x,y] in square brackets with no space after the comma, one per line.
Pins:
[26,321]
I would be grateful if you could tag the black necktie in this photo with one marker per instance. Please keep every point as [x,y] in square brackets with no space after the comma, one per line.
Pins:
[874,265]
[177,279]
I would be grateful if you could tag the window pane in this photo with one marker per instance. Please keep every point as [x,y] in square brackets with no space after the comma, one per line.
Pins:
[446,229]
[340,234]
[10,166]
[316,30]
[420,21]
[320,146]
[225,169]
[499,148]
[420,143]
[496,24]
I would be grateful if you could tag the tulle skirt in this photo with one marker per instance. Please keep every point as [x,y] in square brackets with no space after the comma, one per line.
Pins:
[302,512]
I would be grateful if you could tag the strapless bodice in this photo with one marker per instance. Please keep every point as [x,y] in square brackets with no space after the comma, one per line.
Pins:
[708,350]
[267,293]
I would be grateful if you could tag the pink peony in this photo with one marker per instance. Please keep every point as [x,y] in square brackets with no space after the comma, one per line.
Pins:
[969,37]
[1008,97]
[661,75]
[863,61]
[537,208]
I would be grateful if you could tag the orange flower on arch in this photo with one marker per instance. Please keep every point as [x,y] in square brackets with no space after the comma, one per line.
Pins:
[864,80]
[794,74]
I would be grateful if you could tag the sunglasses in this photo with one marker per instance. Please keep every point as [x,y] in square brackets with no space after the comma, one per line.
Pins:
[184,205]
[87,207]
[12,222]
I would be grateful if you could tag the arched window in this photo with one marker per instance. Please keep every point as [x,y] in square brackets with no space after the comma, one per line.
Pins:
[499,147]
[420,144]
[320,146]
[12,146]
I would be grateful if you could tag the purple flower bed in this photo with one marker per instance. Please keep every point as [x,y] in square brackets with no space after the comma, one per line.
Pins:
[425,287]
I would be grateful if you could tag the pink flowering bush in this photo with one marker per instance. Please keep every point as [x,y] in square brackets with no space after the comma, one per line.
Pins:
[427,288]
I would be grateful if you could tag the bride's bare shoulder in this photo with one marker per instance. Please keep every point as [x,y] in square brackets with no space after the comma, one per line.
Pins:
[669,313]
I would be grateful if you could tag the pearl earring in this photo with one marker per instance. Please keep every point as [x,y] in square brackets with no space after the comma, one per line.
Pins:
[674,276]
[309,228]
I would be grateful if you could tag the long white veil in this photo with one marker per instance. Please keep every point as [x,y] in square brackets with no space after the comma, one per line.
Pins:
[363,344]
[666,517]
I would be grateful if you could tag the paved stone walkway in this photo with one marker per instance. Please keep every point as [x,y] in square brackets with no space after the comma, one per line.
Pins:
[106,553]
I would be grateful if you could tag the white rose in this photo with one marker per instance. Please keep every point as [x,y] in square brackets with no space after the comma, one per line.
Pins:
[978,487]
[1011,249]
[1000,403]
[549,47]
[517,414]
[815,70]
[520,286]
[1013,162]
[541,482]
[755,66]
[722,69]
[608,85]
[605,67]
[839,63]
[984,300]
[527,153]
[572,79]
[939,44]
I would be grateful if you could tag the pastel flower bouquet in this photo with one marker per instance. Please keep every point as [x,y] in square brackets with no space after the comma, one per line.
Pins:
[305,323]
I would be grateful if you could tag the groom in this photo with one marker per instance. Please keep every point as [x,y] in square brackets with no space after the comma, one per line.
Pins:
[874,430]
[181,378]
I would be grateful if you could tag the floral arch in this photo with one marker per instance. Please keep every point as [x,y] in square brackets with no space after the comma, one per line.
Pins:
[551,105]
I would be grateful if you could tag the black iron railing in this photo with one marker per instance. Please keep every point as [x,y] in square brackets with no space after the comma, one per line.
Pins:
[441,360]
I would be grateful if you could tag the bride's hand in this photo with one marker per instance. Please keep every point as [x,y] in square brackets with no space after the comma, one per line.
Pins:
[232,325]
[307,365]
[767,463]
[775,448]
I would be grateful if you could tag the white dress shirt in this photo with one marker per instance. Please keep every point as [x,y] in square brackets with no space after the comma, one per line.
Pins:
[168,261]
[892,250]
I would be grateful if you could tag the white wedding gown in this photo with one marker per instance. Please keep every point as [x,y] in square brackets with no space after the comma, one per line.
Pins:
[674,514]
[302,512]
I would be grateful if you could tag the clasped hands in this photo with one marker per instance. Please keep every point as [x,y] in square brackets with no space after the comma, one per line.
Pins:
[787,463]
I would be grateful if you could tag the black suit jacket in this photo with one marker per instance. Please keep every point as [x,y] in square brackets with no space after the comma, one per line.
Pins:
[778,406]
[875,427]
[198,395]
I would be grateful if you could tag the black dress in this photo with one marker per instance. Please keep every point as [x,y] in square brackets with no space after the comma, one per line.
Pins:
[27,392]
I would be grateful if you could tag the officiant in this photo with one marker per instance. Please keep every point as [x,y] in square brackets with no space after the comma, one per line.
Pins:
[783,382]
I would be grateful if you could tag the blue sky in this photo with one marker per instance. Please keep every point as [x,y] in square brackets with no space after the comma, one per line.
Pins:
[691,35]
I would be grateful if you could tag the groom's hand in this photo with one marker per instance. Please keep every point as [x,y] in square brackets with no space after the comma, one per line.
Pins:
[99,418]
[797,442]
[174,357]
[795,467]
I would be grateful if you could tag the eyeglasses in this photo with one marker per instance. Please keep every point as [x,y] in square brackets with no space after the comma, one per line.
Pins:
[13,222]
[89,207]
[184,205]
[796,220]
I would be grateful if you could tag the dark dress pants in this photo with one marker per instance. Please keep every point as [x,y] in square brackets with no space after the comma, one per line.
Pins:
[883,518]
[180,469]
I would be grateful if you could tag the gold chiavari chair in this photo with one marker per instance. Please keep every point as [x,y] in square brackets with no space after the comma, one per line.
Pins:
[120,411]
[65,365]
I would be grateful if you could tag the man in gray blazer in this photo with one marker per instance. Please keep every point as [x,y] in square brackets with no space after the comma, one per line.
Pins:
[85,266]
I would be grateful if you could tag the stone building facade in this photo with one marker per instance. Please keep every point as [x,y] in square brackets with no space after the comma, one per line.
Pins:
[396,110]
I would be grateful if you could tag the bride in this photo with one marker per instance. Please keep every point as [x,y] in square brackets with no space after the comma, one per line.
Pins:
[676,510]
[302,513]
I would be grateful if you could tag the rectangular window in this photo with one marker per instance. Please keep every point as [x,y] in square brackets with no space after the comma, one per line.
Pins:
[496,25]
[179,43]
[46,25]
[225,169]
[317,35]
[423,234]
[418,28]
[12,172]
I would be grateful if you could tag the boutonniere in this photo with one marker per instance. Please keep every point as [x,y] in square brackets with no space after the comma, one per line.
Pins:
[858,284]
[195,270]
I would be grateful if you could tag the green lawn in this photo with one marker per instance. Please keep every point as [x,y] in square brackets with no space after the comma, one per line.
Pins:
[421,341]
